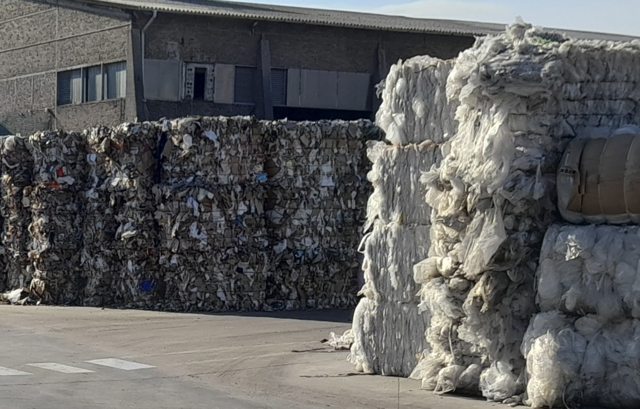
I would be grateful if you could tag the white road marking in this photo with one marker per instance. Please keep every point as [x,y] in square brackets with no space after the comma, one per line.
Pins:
[11,372]
[120,364]
[60,368]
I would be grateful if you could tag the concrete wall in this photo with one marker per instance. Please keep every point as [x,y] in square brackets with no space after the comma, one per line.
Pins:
[233,41]
[37,40]
[79,117]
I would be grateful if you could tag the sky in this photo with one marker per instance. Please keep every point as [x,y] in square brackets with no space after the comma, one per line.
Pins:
[610,16]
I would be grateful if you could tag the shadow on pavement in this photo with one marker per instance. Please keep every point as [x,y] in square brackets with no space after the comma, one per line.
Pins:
[343,316]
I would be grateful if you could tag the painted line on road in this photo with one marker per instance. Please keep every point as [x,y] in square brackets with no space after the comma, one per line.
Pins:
[120,364]
[11,372]
[51,366]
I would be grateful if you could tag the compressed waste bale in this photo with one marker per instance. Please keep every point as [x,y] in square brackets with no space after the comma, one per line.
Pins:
[387,349]
[213,151]
[316,196]
[414,105]
[213,244]
[598,178]
[592,360]
[210,210]
[589,360]
[390,252]
[133,173]
[98,256]
[493,195]
[17,176]
[590,270]
[188,215]
[395,176]
[388,326]
[59,172]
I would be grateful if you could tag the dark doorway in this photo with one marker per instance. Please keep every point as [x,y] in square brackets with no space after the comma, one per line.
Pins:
[199,83]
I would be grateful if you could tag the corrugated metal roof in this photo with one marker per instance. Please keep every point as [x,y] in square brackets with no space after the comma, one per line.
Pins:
[328,17]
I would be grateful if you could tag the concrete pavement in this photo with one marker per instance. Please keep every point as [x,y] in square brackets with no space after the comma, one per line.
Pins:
[189,361]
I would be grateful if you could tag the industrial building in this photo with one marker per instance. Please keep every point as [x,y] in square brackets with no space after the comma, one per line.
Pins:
[73,64]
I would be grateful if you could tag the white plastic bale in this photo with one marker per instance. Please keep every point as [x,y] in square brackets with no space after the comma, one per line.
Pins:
[414,102]
[388,337]
[390,252]
[395,176]
[491,198]
[588,360]
[590,269]
[493,195]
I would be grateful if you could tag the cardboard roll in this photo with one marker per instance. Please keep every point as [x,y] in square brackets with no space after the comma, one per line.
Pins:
[599,179]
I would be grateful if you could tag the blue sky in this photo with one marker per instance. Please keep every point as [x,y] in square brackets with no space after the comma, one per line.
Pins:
[612,16]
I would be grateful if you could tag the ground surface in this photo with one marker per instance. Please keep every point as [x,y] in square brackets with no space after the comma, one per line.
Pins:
[198,361]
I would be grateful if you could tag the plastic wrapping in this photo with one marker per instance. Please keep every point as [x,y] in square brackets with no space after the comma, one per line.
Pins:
[588,357]
[519,99]
[390,251]
[521,96]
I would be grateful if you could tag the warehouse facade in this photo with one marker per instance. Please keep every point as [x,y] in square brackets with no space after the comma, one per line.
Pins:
[74,64]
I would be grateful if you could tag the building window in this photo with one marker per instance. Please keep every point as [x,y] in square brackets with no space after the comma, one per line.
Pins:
[93,81]
[199,81]
[279,87]
[115,80]
[89,84]
[244,85]
[70,87]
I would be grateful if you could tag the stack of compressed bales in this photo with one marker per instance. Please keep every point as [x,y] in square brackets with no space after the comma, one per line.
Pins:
[491,200]
[583,346]
[98,258]
[185,215]
[17,172]
[388,326]
[213,243]
[3,265]
[59,173]
[316,196]
[131,175]
[523,95]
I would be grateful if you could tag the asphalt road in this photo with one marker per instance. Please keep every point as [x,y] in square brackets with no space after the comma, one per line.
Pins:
[151,360]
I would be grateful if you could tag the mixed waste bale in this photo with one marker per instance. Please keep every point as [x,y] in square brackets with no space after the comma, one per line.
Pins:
[195,214]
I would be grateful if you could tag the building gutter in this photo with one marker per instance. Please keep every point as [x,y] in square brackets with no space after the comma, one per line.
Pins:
[142,40]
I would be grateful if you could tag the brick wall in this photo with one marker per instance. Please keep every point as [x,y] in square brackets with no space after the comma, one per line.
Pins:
[233,41]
